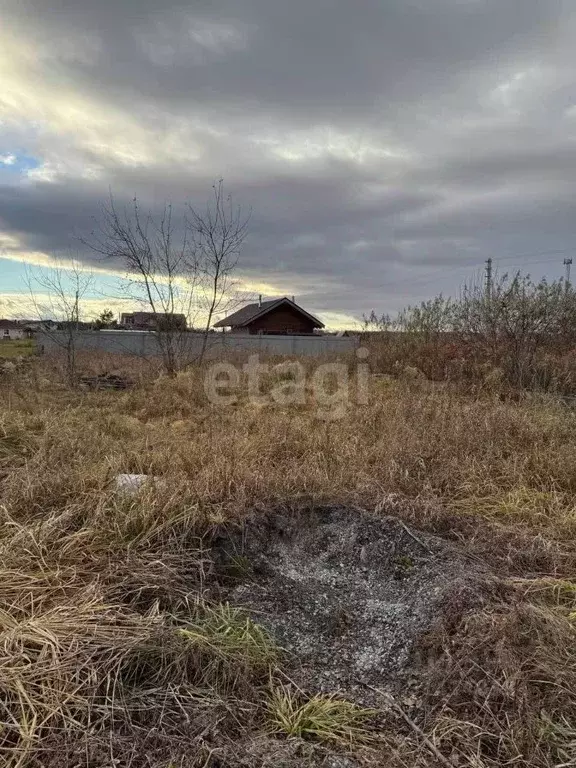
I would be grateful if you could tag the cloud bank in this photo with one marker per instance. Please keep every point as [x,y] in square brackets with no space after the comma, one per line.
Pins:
[386,147]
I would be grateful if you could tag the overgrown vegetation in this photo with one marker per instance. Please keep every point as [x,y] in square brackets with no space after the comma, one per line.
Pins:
[516,331]
[116,649]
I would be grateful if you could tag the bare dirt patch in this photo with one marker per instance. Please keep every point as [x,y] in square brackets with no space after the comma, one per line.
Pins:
[347,594]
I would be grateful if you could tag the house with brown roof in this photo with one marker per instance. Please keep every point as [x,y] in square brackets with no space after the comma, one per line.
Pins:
[278,316]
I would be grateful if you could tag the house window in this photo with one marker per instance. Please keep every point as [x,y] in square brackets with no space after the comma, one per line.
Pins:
[6,332]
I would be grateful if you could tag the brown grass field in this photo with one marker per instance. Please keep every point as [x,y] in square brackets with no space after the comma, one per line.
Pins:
[113,652]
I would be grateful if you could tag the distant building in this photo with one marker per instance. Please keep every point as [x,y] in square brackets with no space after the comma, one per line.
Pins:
[11,331]
[152,321]
[279,316]
[75,325]
[38,325]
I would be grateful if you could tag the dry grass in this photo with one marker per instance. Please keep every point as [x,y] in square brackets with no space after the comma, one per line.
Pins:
[503,686]
[106,631]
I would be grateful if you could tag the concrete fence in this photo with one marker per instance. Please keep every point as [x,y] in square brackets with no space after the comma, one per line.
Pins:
[145,343]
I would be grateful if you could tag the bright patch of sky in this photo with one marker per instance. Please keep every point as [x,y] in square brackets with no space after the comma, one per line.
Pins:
[17,284]
[16,164]
[12,274]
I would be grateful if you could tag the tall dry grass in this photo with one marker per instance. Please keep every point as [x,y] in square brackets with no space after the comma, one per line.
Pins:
[475,365]
[100,593]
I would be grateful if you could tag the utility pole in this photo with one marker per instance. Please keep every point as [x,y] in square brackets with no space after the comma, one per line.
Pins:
[567,264]
[489,278]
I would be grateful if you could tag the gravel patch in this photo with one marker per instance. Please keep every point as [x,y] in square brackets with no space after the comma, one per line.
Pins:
[346,593]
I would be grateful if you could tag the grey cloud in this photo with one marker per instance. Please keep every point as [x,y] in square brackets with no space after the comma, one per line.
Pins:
[378,143]
[320,60]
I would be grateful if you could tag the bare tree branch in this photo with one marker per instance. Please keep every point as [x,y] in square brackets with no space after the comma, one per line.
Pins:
[218,235]
[57,293]
[161,266]
[175,268]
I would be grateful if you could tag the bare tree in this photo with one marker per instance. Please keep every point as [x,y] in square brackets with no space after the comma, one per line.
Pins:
[516,319]
[426,320]
[57,293]
[509,326]
[218,234]
[176,269]
[374,323]
[162,269]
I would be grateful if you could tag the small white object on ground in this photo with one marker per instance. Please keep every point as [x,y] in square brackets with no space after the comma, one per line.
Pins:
[132,484]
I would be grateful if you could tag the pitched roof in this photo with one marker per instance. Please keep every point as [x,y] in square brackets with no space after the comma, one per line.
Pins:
[150,315]
[9,324]
[250,312]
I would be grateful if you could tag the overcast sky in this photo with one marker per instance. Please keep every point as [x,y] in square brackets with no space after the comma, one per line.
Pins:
[386,147]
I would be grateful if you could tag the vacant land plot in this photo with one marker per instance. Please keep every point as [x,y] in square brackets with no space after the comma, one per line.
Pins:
[393,587]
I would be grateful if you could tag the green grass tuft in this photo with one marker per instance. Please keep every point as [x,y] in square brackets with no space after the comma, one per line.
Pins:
[233,647]
[321,717]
